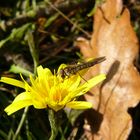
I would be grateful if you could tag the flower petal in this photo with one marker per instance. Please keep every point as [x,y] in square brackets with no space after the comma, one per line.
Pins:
[74,82]
[89,84]
[22,100]
[13,82]
[17,106]
[23,97]
[43,72]
[79,105]
[39,104]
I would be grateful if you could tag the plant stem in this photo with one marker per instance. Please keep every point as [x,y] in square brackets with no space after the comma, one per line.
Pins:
[21,123]
[53,124]
[33,49]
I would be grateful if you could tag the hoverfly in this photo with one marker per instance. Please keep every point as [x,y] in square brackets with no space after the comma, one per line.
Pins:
[73,69]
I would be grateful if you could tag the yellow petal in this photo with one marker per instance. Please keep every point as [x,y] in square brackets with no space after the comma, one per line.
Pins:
[90,83]
[43,72]
[97,79]
[23,96]
[39,104]
[13,82]
[17,106]
[22,100]
[74,82]
[79,105]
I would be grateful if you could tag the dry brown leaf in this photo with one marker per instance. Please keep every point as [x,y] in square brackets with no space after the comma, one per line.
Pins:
[114,38]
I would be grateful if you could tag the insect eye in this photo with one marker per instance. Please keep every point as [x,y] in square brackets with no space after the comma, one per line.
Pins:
[62,73]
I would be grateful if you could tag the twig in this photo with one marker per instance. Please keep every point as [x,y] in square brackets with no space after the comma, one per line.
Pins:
[70,21]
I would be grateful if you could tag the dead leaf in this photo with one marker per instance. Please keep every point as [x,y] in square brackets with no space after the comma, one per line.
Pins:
[114,38]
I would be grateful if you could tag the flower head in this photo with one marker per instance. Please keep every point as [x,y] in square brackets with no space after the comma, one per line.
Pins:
[49,90]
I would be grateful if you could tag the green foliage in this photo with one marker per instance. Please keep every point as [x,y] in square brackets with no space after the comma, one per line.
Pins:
[16,34]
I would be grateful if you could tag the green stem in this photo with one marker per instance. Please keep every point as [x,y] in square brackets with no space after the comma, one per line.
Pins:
[53,124]
[33,49]
[21,123]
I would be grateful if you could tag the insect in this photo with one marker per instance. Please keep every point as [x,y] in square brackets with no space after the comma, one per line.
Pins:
[73,69]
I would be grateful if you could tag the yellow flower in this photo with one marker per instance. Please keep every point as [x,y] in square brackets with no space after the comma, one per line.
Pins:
[49,90]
